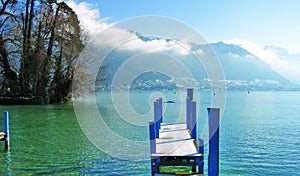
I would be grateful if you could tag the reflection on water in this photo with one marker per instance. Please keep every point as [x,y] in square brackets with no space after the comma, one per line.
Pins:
[8,163]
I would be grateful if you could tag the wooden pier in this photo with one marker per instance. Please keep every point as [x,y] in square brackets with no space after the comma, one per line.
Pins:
[174,148]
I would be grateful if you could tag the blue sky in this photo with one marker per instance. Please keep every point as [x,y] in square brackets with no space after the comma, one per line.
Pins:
[251,24]
[265,22]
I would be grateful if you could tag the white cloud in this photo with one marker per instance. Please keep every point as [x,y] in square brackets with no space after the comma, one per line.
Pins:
[110,35]
[234,55]
[89,17]
[260,52]
[287,68]
[158,45]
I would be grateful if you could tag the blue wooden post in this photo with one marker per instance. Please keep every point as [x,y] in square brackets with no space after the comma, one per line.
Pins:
[156,119]
[190,93]
[213,127]
[200,146]
[160,110]
[154,166]
[193,120]
[188,113]
[152,146]
[189,98]
[6,129]
[200,151]
[152,137]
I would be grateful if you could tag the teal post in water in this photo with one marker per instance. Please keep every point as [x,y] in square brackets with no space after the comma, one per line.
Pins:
[200,151]
[6,129]
[213,128]
[193,120]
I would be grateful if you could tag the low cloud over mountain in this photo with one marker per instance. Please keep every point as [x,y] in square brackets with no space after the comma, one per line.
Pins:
[243,62]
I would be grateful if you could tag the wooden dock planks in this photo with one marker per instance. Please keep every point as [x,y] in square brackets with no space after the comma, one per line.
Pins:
[173,146]
[175,140]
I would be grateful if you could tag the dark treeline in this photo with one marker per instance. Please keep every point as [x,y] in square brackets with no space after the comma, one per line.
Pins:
[40,41]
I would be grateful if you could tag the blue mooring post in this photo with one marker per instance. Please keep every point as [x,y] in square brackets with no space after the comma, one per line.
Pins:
[152,137]
[156,119]
[6,129]
[213,128]
[200,151]
[152,146]
[160,110]
[188,113]
[193,120]
[189,99]
[189,93]
[200,146]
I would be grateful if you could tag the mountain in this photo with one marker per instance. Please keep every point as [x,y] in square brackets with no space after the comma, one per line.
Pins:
[239,64]
[242,70]
[284,54]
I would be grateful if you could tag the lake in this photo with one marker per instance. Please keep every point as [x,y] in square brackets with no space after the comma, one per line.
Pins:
[259,135]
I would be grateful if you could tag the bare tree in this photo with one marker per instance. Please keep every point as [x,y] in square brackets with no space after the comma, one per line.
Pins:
[45,39]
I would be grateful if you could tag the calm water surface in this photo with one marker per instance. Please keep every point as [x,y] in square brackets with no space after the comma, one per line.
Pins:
[259,135]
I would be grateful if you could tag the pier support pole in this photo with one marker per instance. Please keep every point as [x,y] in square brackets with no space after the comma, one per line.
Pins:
[193,120]
[188,113]
[189,93]
[6,129]
[152,146]
[160,111]
[200,151]
[200,146]
[213,128]
[156,119]
[152,137]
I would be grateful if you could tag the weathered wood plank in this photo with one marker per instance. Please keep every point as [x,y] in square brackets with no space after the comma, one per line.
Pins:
[172,126]
[175,140]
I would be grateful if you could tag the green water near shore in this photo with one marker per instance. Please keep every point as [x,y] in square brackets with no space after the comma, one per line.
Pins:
[258,136]
[48,140]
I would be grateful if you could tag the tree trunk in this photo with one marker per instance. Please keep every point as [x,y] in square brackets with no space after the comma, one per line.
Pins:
[10,82]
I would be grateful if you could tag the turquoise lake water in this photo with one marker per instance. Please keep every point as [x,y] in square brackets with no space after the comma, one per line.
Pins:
[259,135]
